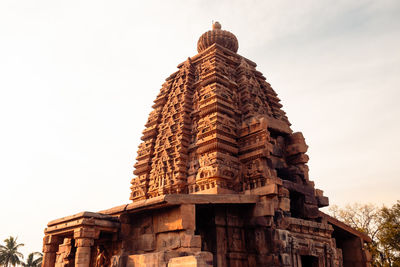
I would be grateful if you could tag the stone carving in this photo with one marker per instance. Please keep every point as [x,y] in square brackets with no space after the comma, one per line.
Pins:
[220,180]
[216,104]
[65,254]
[101,259]
[115,261]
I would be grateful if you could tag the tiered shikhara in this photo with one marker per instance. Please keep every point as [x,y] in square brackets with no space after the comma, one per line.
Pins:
[217,127]
[220,180]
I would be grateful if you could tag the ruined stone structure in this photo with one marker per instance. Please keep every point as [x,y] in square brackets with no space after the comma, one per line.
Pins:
[220,180]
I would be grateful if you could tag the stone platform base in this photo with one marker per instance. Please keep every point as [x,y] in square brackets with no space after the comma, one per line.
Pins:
[202,230]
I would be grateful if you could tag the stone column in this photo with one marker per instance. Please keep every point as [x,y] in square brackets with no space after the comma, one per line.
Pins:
[50,248]
[84,240]
[220,236]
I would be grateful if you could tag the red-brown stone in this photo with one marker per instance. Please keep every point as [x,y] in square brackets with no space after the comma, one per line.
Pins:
[220,180]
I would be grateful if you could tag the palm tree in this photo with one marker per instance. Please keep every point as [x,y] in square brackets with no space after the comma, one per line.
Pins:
[9,255]
[30,262]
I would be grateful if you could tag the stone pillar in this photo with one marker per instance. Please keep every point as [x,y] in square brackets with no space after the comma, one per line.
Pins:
[84,240]
[50,248]
[220,236]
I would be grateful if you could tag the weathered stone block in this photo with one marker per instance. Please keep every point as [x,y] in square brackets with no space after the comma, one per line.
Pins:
[304,170]
[125,229]
[156,259]
[50,248]
[84,242]
[168,241]
[284,204]
[146,242]
[190,241]
[86,233]
[179,218]
[235,239]
[202,259]
[283,192]
[322,201]
[296,149]
[220,216]
[295,138]
[144,222]
[281,235]
[237,259]
[319,192]
[310,199]
[234,221]
[299,159]
[265,207]
[311,211]
[267,260]
[261,221]
[48,259]
[51,239]
[82,256]
[285,259]
[270,189]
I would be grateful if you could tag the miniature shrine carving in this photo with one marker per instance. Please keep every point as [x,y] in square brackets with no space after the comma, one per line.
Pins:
[220,179]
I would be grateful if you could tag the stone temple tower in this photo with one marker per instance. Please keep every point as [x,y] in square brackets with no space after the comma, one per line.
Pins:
[217,127]
[220,180]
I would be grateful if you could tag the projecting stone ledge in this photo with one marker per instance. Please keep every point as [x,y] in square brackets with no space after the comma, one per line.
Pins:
[178,199]
[81,215]
[85,220]
[107,218]
[91,218]
[220,180]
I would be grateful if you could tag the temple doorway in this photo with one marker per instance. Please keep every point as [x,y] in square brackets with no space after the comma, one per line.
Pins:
[309,261]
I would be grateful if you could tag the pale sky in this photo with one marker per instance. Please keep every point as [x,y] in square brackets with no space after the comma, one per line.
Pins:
[77,81]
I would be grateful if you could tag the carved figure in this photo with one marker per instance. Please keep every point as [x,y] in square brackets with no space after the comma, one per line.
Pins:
[101,259]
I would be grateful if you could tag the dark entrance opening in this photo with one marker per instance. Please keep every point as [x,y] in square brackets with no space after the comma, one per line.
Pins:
[350,245]
[296,204]
[205,227]
[309,261]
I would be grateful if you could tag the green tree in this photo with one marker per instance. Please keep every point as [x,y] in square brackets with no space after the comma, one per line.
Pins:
[389,234]
[9,255]
[31,262]
[381,224]
[364,218]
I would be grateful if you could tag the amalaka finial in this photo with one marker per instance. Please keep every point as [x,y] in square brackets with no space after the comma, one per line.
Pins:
[216,26]
[217,36]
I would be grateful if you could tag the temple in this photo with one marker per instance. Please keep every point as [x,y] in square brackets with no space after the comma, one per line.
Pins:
[220,180]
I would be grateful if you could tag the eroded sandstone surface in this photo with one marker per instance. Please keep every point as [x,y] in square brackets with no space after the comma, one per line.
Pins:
[220,180]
